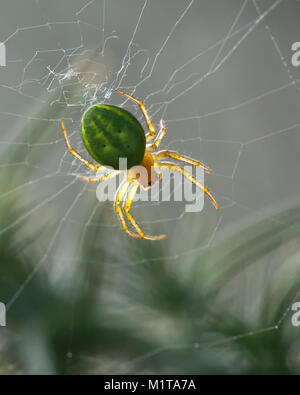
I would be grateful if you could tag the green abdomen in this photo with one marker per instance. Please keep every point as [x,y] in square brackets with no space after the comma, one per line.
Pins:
[110,133]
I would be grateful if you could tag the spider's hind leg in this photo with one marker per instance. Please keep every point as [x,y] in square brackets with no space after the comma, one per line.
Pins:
[159,137]
[145,113]
[72,151]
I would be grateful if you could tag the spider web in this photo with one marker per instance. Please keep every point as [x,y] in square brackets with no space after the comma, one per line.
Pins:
[218,74]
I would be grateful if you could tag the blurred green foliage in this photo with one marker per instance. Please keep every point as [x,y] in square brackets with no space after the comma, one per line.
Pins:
[131,308]
[145,314]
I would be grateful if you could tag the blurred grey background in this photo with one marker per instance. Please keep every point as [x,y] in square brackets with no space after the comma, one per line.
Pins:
[220,74]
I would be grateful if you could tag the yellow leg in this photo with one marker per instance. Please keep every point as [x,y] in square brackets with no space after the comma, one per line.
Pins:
[129,199]
[159,137]
[120,194]
[103,178]
[185,173]
[176,155]
[75,153]
[145,113]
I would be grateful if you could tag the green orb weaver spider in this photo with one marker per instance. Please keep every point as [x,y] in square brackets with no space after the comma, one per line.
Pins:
[110,133]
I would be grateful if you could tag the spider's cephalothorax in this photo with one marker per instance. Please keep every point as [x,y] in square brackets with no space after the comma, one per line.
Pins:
[110,133]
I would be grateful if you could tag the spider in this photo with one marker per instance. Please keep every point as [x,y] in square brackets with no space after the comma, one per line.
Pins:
[110,133]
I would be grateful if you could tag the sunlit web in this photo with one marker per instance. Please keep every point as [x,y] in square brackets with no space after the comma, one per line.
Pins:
[189,65]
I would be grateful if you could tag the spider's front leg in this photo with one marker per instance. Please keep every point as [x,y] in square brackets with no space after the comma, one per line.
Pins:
[130,187]
[172,167]
[102,178]
[128,202]
[118,199]
[182,158]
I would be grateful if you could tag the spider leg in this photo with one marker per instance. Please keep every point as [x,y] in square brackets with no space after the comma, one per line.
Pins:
[159,137]
[127,204]
[119,196]
[186,174]
[75,153]
[103,178]
[182,158]
[145,113]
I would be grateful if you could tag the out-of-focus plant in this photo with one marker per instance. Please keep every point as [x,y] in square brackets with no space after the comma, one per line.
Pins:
[156,316]
[132,308]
